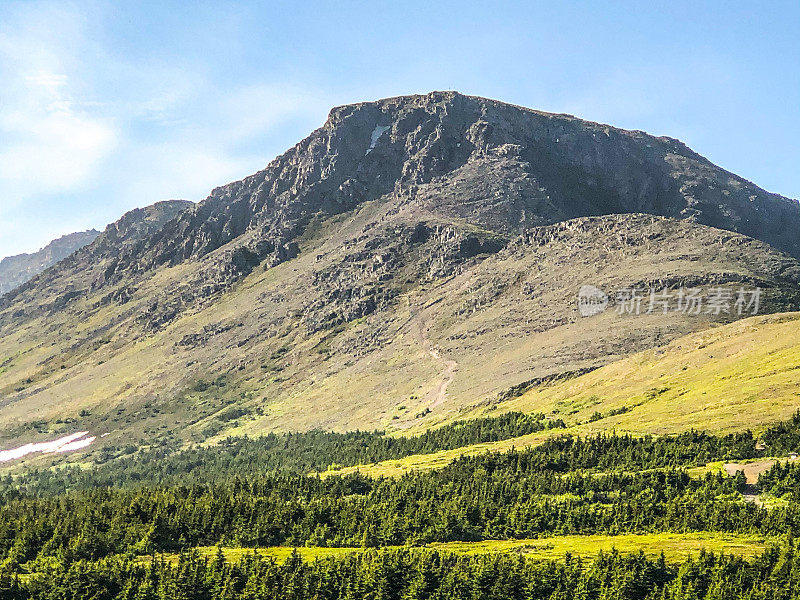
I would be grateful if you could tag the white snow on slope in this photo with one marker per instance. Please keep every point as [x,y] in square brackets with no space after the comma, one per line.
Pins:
[68,443]
[376,135]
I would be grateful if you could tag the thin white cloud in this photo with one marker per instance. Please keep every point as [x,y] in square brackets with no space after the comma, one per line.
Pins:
[52,147]
[175,170]
[82,126]
[195,155]
[254,109]
[48,141]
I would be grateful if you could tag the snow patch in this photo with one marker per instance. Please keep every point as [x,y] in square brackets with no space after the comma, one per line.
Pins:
[68,443]
[376,135]
[76,445]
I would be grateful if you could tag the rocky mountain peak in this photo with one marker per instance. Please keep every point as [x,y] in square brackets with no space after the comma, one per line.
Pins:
[475,166]
[492,164]
[408,245]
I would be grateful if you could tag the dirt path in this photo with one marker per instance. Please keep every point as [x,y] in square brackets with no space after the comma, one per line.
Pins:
[438,395]
[752,470]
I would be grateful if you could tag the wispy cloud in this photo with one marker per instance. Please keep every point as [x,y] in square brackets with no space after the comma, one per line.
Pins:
[87,131]
[50,143]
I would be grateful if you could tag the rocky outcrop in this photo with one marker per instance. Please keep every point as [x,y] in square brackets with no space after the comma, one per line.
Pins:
[16,270]
[482,163]
[378,265]
[422,251]
[85,269]
[501,167]
[463,175]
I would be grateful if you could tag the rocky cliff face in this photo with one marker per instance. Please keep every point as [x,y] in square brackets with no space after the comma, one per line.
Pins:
[84,269]
[500,166]
[487,164]
[495,165]
[16,270]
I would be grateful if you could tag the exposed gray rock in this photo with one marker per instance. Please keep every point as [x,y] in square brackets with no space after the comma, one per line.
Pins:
[496,166]
[485,170]
[493,164]
[86,268]
[403,242]
[16,270]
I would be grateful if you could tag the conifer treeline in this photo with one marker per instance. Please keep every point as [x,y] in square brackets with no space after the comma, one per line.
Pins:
[299,452]
[79,535]
[540,491]
[316,451]
[409,574]
[782,481]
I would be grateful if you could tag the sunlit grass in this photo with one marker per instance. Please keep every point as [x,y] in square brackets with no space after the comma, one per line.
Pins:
[674,546]
[745,375]
[730,378]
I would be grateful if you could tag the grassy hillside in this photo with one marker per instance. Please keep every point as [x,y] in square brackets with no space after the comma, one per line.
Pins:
[744,375]
[735,377]
[442,348]
[629,497]
[393,283]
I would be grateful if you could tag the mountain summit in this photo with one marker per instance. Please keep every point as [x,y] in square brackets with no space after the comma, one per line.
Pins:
[495,165]
[411,258]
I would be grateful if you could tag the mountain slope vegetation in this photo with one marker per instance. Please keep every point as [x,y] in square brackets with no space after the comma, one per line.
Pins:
[404,293]
[730,378]
[411,260]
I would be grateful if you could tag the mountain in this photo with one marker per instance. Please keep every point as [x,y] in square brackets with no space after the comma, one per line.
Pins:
[412,259]
[16,270]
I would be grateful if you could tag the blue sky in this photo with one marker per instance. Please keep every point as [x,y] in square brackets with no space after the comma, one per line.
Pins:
[108,106]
